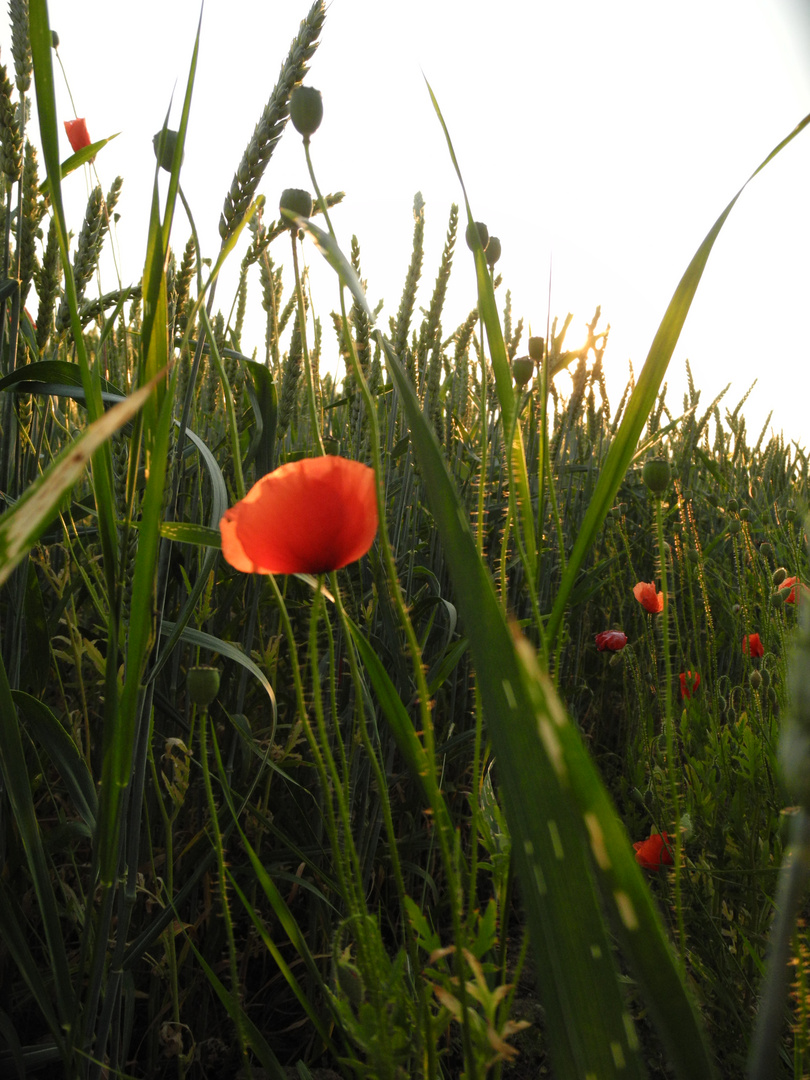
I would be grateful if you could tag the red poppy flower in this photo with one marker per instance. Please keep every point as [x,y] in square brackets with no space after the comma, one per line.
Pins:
[653,853]
[752,646]
[306,517]
[649,599]
[77,134]
[690,681]
[792,583]
[613,640]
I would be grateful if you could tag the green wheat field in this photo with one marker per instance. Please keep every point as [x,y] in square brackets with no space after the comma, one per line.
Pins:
[441,719]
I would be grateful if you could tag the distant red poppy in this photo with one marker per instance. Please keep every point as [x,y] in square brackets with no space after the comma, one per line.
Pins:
[613,640]
[306,517]
[653,853]
[752,646]
[649,599]
[77,134]
[792,583]
[690,681]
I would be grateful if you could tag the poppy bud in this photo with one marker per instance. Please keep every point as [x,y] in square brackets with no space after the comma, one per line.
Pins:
[54,39]
[203,685]
[297,202]
[766,678]
[493,251]
[755,679]
[779,575]
[778,598]
[744,513]
[536,348]
[483,235]
[656,475]
[791,514]
[733,526]
[522,369]
[165,154]
[765,550]
[732,506]
[306,110]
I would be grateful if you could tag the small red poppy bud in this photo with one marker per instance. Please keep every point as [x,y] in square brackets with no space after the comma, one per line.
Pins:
[493,251]
[537,347]
[297,202]
[522,369]
[306,110]
[656,475]
[612,640]
[483,235]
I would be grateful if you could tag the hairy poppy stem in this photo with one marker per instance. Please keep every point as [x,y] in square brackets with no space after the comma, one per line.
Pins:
[670,736]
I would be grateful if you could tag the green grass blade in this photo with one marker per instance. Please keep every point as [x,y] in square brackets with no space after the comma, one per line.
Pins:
[45,729]
[84,156]
[24,523]
[643,398]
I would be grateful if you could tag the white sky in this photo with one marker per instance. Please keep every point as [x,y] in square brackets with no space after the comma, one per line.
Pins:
[609,135]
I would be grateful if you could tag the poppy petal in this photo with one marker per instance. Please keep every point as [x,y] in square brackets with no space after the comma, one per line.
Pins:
[306,517]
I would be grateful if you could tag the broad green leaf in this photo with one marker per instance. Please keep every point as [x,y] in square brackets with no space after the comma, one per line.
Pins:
[75,161]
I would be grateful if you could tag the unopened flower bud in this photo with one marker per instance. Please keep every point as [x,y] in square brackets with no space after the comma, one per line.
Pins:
[779,575]
[656,475]
[733,526]
[483,235]
[297,202]
[493,251]
[732,506]
[522,370]
[537,347]
[755,679]
[203,685]
[306,110]
[164,143]
[765,550]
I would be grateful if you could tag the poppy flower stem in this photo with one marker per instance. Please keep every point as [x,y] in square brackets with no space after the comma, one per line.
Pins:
[302,327]
[669,731]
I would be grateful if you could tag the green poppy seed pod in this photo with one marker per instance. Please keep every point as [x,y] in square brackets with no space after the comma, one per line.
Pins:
[297,202]
[765,550]
[165,155]
[306,110]
[744,513]
[779,575]
[733,526]
[483,235]
[54,39]
[755,679]
[522,370]
[493,252]
[203,685]
[732,506]
[537,347]
[656,475]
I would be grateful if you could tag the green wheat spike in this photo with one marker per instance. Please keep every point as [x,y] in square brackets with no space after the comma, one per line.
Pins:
[290,380]
[30,231]
[20,43]
[10,135]
[432,324]
[271,123]
[399,330]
